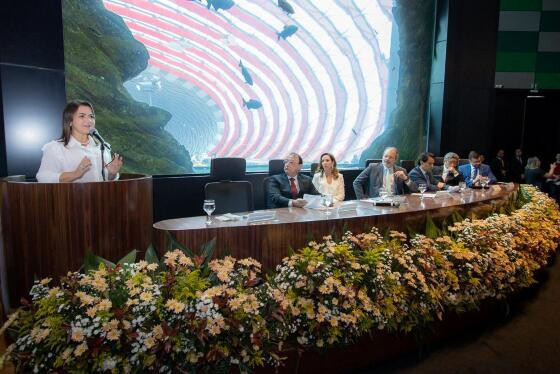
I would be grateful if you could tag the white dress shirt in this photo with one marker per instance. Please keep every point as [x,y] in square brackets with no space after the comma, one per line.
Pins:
[388,179]
[58,159]
[336,188]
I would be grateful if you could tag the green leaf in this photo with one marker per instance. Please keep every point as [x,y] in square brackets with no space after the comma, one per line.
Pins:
[129,258]
[432,230]
[207,250]
[92,262]
[173,244]
[151,255]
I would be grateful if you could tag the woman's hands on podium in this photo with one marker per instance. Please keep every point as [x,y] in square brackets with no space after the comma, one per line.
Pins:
[114,166]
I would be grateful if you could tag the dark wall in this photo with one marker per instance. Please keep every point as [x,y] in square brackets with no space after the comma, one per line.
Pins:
[467,112]
[528,120]
[182,196]
[32,80]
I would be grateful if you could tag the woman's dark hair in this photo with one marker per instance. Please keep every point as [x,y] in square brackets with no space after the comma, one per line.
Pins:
[320,168]
[67,116]
[424,156]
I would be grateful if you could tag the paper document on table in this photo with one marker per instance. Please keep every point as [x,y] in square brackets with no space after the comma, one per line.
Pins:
[228,217]
[426,195]
[313,201]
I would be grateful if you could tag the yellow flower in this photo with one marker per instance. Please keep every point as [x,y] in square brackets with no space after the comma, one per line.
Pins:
[77,334]
[126,324]
[99,284]
[174,305]
[157,332]
[146,296]
[66,354]
[105,304]
[45,281]
[91,312]
[149,342]
[113,334]
[152,267]
[80,349]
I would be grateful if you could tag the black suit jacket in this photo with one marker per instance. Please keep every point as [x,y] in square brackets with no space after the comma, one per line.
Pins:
[279,191]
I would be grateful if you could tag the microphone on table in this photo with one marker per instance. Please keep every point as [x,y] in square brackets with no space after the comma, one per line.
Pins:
[94,133]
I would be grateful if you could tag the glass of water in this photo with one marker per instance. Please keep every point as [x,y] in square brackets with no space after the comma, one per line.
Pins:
[383,193]
[484,182]
[327,202]
[422,187]
[462,186]
[209,207]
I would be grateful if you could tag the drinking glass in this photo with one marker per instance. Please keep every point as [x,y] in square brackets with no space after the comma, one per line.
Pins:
[383,193]
[422,188]
[209,207]
[484,182]
[327,201]
[462,186]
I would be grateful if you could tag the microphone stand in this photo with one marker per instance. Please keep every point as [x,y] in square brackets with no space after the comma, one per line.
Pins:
[103,161]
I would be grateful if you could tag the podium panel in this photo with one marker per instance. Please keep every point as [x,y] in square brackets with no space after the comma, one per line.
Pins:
[49,227]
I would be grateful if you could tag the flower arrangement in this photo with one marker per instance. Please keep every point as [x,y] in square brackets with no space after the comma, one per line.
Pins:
[188,313]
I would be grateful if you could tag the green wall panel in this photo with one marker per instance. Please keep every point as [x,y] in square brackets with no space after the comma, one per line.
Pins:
[548,80]
[548,62]
[517,41]
[516,61]
[521,5]
[550,21]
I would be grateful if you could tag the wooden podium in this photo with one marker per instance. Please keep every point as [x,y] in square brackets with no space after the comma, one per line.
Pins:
[48,227]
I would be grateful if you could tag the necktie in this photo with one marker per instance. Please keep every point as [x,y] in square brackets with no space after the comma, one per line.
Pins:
[293,188]
[474,172]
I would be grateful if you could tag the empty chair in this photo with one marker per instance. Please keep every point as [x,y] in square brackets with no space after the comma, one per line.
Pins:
[408,165]
[313,169]
[230,196]
[227,168]
[372,160]
[230,192]
[275,166]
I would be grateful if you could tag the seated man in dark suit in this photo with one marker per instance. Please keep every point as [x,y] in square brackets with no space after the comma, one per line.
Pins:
[499,167]
[475,170]
[385,175]
[287,189]
[422,174]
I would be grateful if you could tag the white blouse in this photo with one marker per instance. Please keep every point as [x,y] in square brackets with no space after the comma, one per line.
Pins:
[58,159]
[336,188]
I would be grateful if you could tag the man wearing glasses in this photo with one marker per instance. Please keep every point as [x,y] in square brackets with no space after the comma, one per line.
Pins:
[287,189]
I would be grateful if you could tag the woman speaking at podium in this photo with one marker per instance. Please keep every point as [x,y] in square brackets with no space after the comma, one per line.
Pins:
[77,155]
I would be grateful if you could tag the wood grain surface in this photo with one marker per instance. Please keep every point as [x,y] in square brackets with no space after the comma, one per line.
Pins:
[49,227]
[269,242]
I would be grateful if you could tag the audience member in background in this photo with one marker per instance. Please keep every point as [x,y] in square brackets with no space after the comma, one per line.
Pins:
[553,179]
[422,173]
[384,175]
[533,172]
[327,179]
[76,156]
[287,188]
[450,175]
[499,167]
[517,167]
[475,170]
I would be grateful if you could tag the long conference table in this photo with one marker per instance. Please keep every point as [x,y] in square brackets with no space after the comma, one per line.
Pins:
[292,228]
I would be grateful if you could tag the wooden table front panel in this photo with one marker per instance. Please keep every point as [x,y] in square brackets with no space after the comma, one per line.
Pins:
[269,242]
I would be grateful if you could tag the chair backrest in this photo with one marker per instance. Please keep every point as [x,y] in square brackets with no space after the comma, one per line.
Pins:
[408,165]
[463,161]
[230,197]
[313,168]
[275,166]
[227,168]
[438,161]
[372,160]
[265,192]
[15,178]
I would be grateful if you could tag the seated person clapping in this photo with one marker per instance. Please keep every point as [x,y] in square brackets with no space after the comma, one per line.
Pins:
[475,170]
[327,179]
[384,175]
[450,175]
[287,189]
[422,174]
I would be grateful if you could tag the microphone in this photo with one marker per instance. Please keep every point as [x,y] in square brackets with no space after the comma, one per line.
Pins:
[94,133]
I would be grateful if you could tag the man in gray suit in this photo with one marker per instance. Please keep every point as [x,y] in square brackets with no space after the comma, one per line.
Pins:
[287,189]
[385,175]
